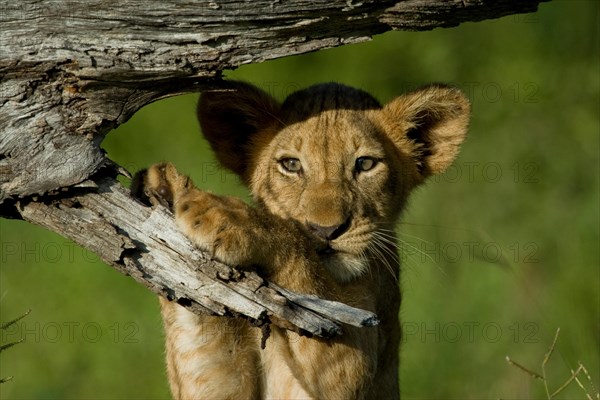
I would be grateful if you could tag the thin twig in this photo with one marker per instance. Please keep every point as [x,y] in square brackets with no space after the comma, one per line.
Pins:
[587,394]
[591,383]
[546,359]
[551,350]
[9,345]
[567,383]
[14,321]
[587,374]
[573,377]
[522,368]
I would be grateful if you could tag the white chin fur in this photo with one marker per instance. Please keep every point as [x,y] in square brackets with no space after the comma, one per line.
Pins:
[345,267]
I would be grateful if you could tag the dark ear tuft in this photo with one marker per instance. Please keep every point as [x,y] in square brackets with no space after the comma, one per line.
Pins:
[434,121]
[231,117]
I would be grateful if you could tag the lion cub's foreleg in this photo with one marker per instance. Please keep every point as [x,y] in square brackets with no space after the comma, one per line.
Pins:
[207,357]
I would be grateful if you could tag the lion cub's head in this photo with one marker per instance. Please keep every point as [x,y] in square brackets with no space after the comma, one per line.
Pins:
[334,159]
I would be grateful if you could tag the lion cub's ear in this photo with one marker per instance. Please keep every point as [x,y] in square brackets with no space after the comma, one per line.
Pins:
[232,118]
[430,123]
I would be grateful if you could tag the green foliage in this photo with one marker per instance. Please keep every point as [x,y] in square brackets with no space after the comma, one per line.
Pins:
[497,253]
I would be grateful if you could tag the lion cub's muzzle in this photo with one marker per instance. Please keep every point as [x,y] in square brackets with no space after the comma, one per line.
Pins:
[326,234]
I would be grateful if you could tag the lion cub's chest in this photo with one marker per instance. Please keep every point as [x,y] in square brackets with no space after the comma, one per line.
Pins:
[278,379]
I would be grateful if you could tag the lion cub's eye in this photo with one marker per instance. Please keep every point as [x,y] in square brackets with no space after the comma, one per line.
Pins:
[365,164]
[291,165]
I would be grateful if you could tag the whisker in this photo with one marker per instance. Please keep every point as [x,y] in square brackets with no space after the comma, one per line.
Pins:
[365,259]
[388,235]
[454,228]
[379,249]
[414,237]
[387,240]
[426,255]
[394,232]
[381,229]
[390,268]
[379,256]
[385,245]
[419,251]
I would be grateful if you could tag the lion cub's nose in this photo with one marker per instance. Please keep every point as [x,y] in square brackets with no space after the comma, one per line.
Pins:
[329,232]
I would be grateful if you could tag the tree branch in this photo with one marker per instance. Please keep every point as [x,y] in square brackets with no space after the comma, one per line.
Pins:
[71,71]
[133,238]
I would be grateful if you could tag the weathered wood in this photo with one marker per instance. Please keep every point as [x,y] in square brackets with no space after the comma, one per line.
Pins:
[70,71]
[131,237]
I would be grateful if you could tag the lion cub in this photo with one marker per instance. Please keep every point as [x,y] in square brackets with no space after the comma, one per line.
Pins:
[330,170]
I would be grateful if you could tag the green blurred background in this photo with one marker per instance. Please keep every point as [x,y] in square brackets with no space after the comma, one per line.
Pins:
[497,253]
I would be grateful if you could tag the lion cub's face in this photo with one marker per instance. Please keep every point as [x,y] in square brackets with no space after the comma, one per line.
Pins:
[333,159]
[332,174]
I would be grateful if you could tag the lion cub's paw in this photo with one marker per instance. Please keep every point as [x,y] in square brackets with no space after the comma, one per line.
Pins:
[160,184]
[225,227]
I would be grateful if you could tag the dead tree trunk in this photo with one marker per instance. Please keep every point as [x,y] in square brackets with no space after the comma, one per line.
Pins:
[71,71]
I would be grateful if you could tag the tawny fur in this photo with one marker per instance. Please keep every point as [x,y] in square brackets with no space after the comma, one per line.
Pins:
[322,224]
